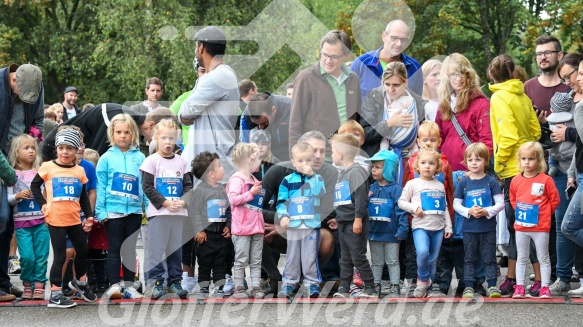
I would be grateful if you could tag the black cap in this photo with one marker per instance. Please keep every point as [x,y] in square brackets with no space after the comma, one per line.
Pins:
[211,34]
[71,89]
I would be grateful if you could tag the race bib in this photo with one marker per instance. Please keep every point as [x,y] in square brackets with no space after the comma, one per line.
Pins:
[66,189]
[526,214]
[125,185]
[28,207]
[481,197]
[257,202]
[216,210]
[169,187]
[301,207]
[433,202]
[342,193]
[379,209]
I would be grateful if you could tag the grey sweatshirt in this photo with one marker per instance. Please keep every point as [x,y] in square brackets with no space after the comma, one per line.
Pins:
[357,179]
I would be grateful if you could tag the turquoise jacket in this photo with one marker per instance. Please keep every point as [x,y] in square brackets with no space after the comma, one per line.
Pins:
[125,167]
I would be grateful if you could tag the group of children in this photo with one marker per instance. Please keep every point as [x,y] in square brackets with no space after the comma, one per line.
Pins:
[229,219]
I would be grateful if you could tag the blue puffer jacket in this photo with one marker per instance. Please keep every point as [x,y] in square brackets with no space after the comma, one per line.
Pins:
[115,162]
[398,227]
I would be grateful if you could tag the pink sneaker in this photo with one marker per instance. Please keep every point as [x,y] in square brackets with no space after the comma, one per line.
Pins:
[518,292]
[545,293]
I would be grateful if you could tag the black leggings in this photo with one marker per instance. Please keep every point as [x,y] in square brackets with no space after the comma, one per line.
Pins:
[122,235]
[58,240]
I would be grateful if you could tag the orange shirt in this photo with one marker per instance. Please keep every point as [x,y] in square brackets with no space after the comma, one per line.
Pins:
[537,193]
[63,187]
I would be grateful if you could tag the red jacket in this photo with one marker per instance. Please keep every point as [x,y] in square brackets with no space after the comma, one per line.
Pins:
[444,177]
[475,121]
[539,190]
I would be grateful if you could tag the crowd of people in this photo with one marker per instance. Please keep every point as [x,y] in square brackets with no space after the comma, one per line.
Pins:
[411,162]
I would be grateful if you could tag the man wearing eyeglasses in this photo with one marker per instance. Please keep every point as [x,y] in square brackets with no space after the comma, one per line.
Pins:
[370,66]
[326,94]
[540,89]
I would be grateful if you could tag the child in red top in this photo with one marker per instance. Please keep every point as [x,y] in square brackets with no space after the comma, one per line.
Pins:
[534,197]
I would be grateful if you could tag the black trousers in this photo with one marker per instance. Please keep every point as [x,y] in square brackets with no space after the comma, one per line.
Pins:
[353,254]
[451,257]
[122,235]
[211,258]
[58,240]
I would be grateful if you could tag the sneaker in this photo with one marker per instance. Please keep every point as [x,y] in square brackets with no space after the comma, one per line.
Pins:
[257,292]
[229,285]
[354,291]
[575,278]
[531,277]
[314,291]
[14,266]
[113,292]
[27,294]
[158,291]
[132,293]
[286,292]
[240,292]
[559,287]
[189,283]
[218,292]
[14,290]
[58,300]
[507,288]
[574,293]
[518,292]
[385,287]
[545,293]
[342,292]
[176,288]
[479,288]
[436,294]
[356,279]
[494,292]
[39,291]
[421,289]
[67,292]
[5,297]
[369,292]
[468,293]
[503,262]
[84,292]
[534,289]
[395,290]
[203,293]
[272,287]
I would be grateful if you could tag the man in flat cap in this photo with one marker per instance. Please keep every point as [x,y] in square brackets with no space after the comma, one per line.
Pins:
[70,103]
[21,111]
[212,106]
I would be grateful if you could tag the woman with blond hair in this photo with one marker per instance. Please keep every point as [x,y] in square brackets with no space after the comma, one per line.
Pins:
[391,114]
[431,70]
[464,111]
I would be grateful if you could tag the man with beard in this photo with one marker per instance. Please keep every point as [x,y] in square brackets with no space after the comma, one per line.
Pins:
[211,108]
[540,89]
[70,103]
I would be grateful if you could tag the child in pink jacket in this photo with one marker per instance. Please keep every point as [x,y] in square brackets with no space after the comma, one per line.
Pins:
[247,226]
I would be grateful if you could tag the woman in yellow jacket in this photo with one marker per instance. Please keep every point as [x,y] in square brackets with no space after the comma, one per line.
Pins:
[513,122]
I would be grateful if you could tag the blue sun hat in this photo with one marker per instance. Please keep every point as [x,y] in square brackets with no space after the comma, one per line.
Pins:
[391,164]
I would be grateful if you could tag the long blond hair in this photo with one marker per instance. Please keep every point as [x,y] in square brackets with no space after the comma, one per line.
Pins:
[15,145]
[124,119]
[470,92]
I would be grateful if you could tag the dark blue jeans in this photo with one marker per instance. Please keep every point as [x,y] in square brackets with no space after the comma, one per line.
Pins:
[474,245]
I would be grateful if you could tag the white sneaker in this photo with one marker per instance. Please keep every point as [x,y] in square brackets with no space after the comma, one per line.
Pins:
[14,266]
[131,293]
[113,292]
[576,293]
[189,283]
[229,285]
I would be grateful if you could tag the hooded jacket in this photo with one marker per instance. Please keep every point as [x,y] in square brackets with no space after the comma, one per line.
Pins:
[475,121]
[244,221]
[513,122]
[112,162]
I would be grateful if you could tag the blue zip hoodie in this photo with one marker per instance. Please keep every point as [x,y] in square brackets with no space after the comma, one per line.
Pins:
[398,227]
[115,162]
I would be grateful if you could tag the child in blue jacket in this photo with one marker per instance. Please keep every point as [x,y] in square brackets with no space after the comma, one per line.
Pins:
[388,223]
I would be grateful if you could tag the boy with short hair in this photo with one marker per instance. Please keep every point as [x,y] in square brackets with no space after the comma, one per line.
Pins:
[351,126]
[210,215]
[298,201]
[351,203]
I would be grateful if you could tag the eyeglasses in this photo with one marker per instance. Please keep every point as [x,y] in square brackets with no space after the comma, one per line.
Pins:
[404,40]
[545,54]
[333,58]
[456,75]
[568,76]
